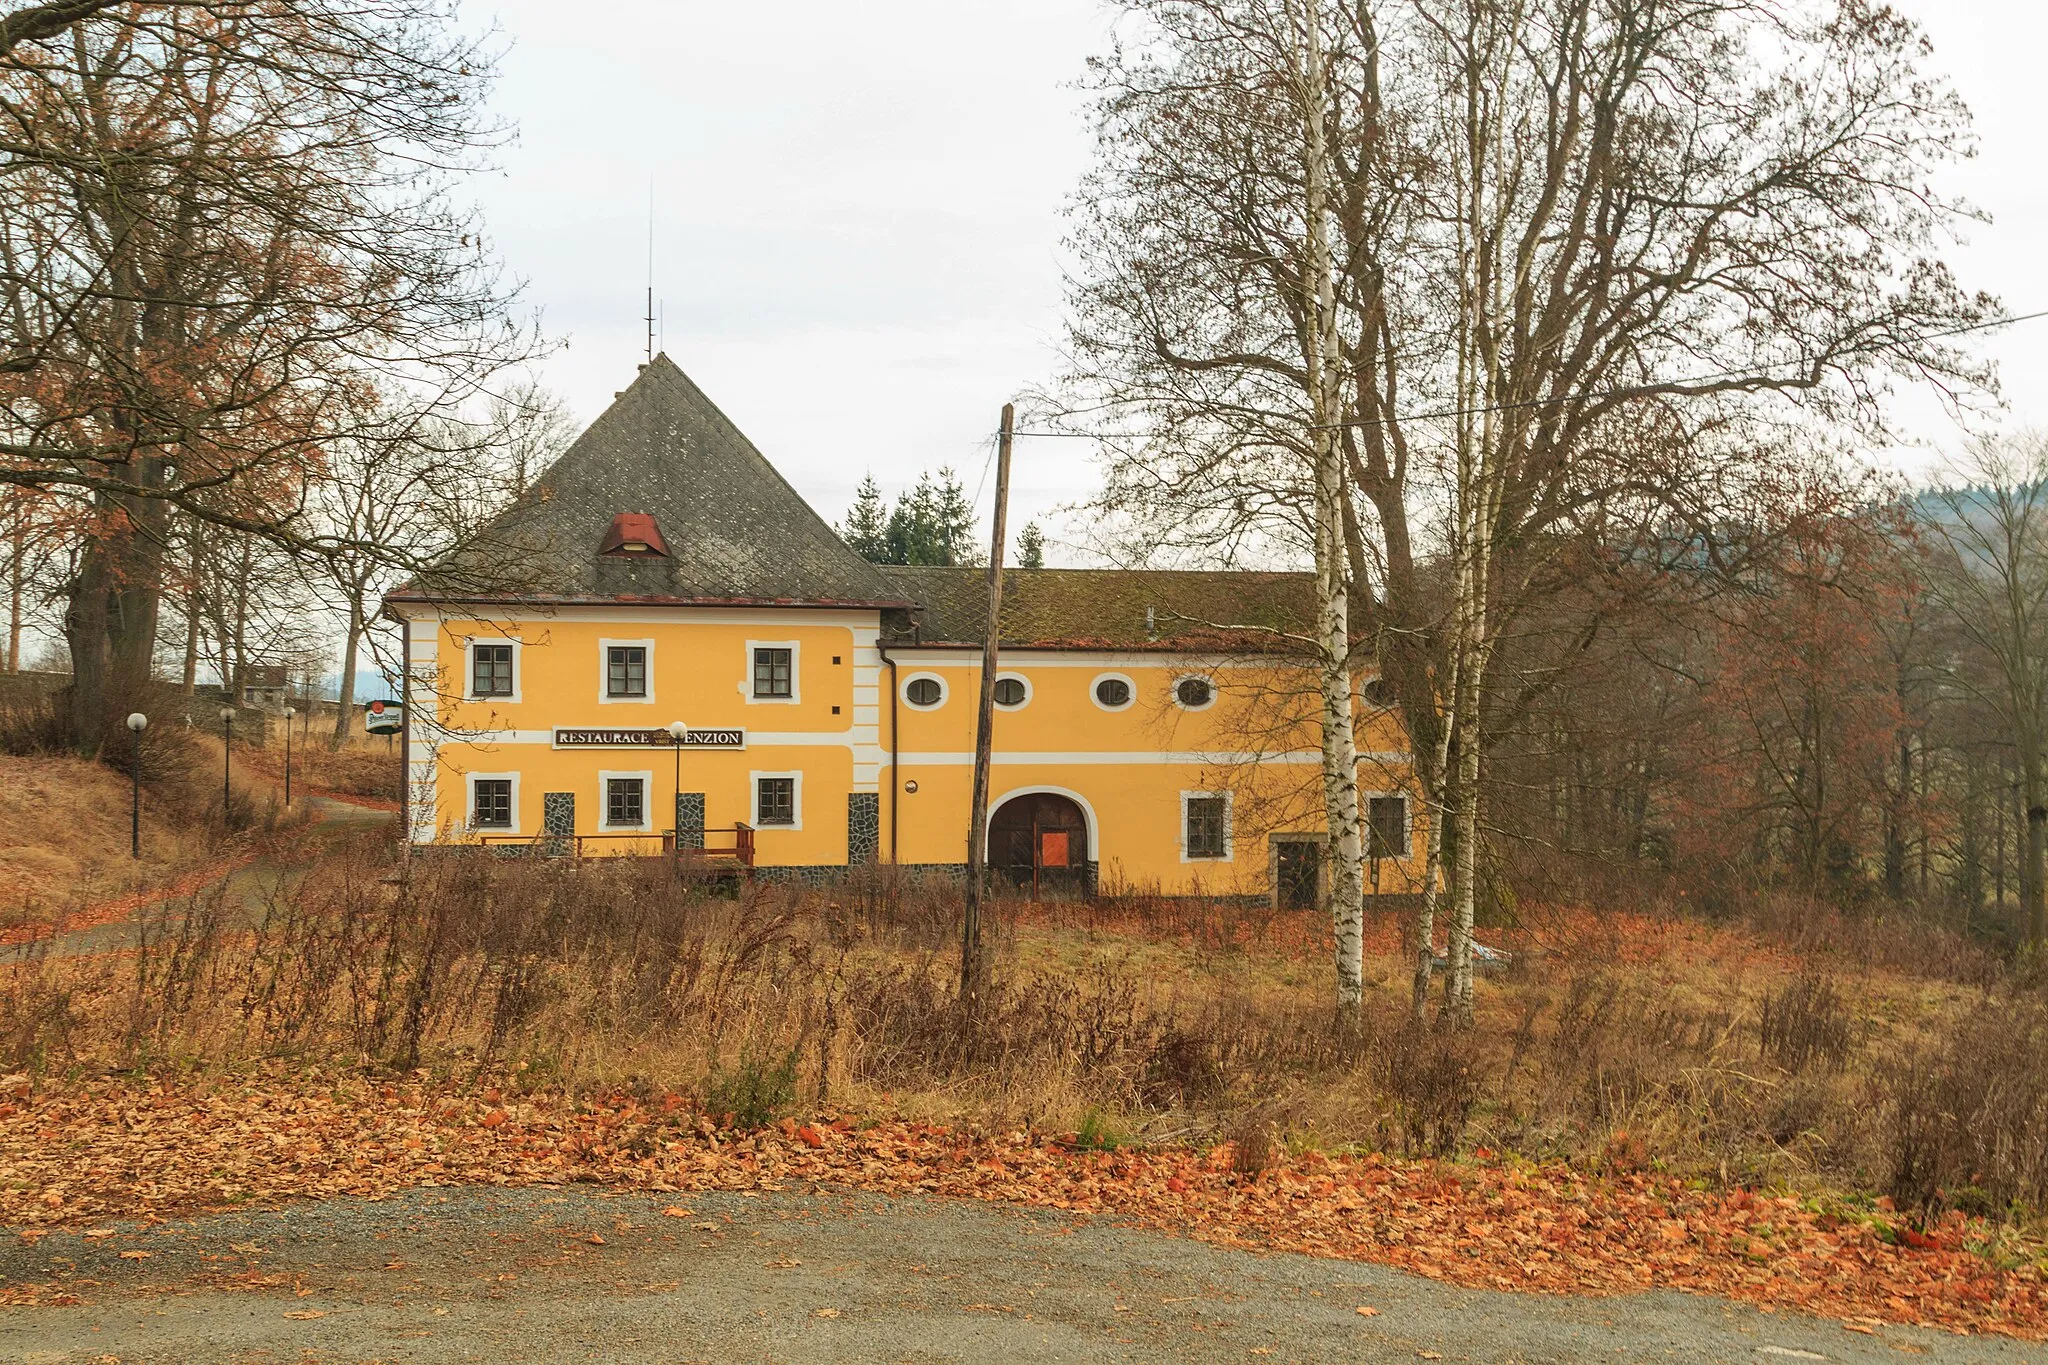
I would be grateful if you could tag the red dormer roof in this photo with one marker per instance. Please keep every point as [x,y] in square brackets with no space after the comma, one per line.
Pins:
[633,533]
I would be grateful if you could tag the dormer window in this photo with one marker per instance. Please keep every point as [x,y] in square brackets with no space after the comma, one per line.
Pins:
[633,533]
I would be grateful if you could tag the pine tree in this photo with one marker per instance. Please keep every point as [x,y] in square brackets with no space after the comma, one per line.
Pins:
[866,531]
[952,518]
[1031,547]
[933,523]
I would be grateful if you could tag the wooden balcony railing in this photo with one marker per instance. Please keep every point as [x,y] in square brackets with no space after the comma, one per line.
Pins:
[733,844]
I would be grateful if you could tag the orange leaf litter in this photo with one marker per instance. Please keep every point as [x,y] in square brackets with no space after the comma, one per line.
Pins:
[95,1150]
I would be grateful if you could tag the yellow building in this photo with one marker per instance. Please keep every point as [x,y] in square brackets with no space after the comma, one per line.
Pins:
[662,644]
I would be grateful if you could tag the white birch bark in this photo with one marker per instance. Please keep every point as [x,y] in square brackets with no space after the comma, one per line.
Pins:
[1332,576]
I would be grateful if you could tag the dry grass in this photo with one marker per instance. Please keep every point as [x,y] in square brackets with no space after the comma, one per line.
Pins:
[64,837]
[364,766]
[1617,1042]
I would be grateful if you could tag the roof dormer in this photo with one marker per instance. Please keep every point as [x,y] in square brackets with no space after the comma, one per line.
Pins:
[633,533]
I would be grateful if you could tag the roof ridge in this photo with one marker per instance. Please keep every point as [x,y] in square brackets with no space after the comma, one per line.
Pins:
[734,526]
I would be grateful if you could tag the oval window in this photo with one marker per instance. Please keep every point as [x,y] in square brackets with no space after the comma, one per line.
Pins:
[1009,691]
[1113,692]
[923,692]
[1194,693]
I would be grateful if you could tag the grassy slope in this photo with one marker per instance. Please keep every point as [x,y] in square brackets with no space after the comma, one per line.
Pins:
[64,837]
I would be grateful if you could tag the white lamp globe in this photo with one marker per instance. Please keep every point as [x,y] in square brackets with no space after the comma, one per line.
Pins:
[136,721]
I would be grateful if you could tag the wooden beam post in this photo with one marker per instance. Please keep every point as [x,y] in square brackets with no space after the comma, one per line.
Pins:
[973,967]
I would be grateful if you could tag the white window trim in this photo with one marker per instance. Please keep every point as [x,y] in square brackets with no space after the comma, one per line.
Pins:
[1006,673]
[1407,823]
[796,673]
[1229,828]
[1194,677]
[604,804]
[604,656]
[469,645]
[796,800]
[1100,678]
[469,796]
[945,691]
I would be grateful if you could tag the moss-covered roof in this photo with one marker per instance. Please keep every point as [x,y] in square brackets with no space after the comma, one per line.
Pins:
[1134,609]
[735,532]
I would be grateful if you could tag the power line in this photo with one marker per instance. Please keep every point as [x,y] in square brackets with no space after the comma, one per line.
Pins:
[1624,391]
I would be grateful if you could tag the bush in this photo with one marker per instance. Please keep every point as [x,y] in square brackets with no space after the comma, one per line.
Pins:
[1806,1024]
[752,1095]
[1964,1118]
[33,726]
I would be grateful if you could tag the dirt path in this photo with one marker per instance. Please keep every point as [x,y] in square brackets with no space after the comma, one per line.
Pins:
[250,881]
[572,1273]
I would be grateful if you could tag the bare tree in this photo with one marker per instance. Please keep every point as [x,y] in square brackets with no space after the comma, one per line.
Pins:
[386,503]
[1989,573]
[228,242]
[1577,248]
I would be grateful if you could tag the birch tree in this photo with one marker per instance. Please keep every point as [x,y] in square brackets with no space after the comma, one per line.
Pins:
[1211,313]
[1579,249]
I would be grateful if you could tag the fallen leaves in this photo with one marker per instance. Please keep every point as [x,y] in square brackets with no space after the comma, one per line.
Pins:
[1368,1311]
[79,1154]
[306,1314]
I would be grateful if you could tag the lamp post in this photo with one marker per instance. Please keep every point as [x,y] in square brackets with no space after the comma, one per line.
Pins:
[227,764]
[288,714]
[676,731]
[136,722]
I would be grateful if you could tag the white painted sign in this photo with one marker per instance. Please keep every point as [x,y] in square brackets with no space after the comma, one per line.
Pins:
[627,737]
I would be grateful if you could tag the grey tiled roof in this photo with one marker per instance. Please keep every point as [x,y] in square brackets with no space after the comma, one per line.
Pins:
[1130,609]
[736,531]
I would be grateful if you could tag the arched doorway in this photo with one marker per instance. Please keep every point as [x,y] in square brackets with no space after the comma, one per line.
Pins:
[1040,841]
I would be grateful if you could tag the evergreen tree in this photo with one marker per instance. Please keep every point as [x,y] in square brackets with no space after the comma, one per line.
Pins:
[933,523]
[867,524]
[1031,547]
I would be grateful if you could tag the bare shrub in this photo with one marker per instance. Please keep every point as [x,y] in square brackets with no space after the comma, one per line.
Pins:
[40,1014]
[1963,1119]
[1430,1084]
[1806,1024]
[33,726]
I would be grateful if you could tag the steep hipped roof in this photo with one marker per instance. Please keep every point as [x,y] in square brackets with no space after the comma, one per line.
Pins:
[1133,609]
[734,529]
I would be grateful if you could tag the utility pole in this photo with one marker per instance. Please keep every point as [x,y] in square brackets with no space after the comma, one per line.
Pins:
[973,970]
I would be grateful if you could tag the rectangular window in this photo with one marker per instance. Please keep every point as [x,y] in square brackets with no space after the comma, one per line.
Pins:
[1386,825]
[625,671]
[491,670]
[775,801]
[771,673]
[493,803]
[625,801]
[1205,817]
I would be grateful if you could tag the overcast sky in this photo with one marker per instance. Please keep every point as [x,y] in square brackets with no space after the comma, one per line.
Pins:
[858,213]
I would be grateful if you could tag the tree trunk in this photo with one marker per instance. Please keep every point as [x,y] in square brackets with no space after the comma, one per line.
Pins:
[1333,606]
[190,680]
[111,620]
[1432,863]
[345,696]
[17,565]
[2034,865]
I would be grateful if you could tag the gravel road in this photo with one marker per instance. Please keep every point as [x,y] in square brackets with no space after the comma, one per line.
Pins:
[575,1273]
